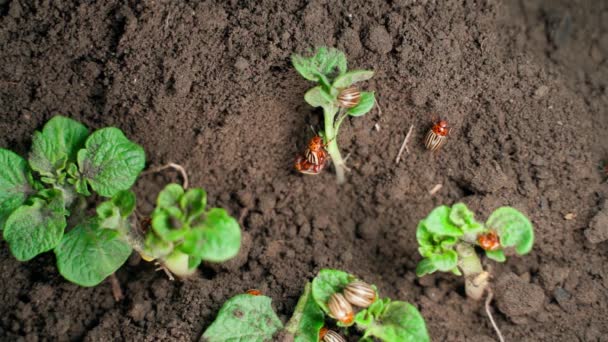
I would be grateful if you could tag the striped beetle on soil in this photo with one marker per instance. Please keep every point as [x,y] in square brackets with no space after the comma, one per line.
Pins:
[437,136]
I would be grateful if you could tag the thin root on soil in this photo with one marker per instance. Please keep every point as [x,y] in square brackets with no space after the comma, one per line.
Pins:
[173,166]
[161,267]
[489,313]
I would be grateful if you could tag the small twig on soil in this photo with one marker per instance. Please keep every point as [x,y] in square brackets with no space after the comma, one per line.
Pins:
[161,267]
[242,216]
[435,189]
[116,290]
[378,106]
[174,166]
[404,145]
[487,306]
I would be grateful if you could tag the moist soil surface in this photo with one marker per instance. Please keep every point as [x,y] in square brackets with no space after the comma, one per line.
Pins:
[209,85]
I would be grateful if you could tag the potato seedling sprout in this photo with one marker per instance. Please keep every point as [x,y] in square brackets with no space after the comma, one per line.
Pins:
[380,318]
[65,166]
[334,93]
[447,238]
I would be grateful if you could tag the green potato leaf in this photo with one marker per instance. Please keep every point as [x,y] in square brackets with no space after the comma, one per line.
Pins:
[221,236]
[180,225]
[88,253]
[170,196]
[365,318]
[37,226]
[168,224]
[497,255]
[307,319]
[398,322]
[438,222]
[59,142]
[114,213]
[322,67]
[110,162]
[328,282]
[513,228]
[464,218]
[15,183]
[347,79]
[365,104]
[318,97]
[244,318]
[446,261]
[193,203]
[424,267]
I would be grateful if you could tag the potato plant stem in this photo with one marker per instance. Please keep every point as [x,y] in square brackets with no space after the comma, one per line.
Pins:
[331,139]
[476,279]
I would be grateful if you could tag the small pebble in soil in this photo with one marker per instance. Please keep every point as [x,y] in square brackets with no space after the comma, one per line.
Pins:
[564,299]
[515,297]
[598,227]
[245,198]
[351,43]
[368,229]
[139,310]
[378,40]
[266,203]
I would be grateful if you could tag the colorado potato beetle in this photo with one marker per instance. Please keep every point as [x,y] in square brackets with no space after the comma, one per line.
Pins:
[340,309]
[327,335]
[437,135]
[254,292]
[315,157]
[360,294]
[489,241]
[349,97]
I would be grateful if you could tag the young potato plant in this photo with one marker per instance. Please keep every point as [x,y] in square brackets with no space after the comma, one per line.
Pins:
[43,204]
[447,238]
[184,233]
[383,319]
[335,94]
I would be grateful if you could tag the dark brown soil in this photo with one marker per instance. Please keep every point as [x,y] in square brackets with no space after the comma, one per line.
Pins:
[209,85]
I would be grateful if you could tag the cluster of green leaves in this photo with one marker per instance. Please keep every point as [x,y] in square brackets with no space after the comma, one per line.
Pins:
[184,233]
[252,317]
[387,320]
[328,67]
[65,164]
[445,227]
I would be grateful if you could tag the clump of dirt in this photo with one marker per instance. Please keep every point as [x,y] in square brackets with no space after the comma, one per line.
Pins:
[209,85]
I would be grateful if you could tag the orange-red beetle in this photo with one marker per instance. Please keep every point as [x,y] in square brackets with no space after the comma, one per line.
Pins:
[489,241]
[437,135]
[254,292]
[314,159]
